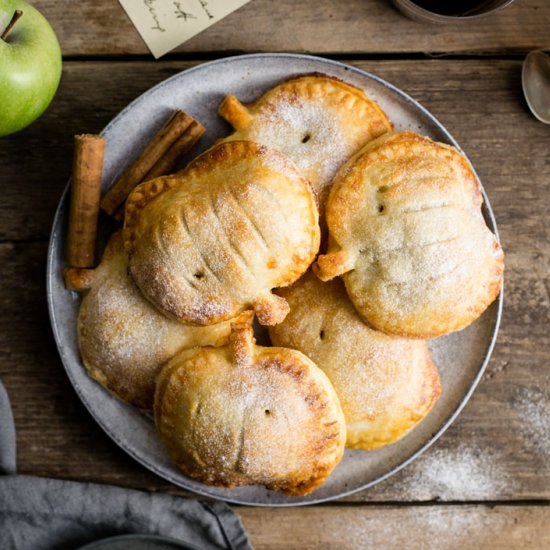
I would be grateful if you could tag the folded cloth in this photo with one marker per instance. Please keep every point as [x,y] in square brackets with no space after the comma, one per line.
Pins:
[47,514]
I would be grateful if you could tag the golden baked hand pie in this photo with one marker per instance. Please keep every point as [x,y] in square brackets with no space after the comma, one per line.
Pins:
[213,240]
[407,233]
[316,120]
[386,384]
[123,339]
[245,414]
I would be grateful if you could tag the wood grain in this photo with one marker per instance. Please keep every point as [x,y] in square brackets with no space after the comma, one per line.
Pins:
[323,26]
[397,527]
[498,449]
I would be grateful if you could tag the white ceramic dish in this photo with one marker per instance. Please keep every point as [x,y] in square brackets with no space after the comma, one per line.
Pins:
[461,357]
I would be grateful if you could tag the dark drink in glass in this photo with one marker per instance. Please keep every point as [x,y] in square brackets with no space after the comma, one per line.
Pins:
[452,7]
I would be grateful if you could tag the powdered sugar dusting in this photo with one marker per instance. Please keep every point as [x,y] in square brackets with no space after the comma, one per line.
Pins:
[445,529]
[462,473]
[308,133]
[425,528]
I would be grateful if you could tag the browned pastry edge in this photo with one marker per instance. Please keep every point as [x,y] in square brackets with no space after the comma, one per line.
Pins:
[139,198]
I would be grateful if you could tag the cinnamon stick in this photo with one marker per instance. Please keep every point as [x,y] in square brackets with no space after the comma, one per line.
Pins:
[157,147]
[182,145]
[167,162]
[78,278]
[85,195]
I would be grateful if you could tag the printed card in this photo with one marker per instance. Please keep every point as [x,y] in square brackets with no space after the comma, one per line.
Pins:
[165,24]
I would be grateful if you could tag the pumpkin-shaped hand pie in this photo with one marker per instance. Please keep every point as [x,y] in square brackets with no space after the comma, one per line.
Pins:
[245,414]
[386,384]
[316,120]
[407,234]
[213,240]
[123,339]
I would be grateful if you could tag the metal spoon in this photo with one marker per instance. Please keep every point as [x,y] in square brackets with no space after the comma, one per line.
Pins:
[535,79]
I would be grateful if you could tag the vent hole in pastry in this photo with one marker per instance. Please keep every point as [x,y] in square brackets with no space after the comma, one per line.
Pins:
[322,335]
[381,208]
[306,138]
[198,275]
[267,412]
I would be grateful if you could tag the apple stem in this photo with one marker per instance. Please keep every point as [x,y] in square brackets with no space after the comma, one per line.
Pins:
[11,24]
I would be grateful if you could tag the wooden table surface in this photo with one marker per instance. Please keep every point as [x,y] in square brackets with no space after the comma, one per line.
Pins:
[486,482]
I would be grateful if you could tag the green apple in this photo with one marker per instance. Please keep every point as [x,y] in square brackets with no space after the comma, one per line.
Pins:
[30,65]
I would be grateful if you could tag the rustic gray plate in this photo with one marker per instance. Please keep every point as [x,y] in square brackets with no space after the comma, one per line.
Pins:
[461,357]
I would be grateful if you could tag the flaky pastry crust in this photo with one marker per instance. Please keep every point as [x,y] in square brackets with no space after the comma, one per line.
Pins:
[245,414]
[407,234]
[316,120]
[386,384]
[213,240]
[123,339]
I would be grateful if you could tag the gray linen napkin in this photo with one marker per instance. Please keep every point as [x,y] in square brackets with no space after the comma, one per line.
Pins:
[48,514]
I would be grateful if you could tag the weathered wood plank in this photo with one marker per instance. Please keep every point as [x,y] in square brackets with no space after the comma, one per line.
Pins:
[395,528]
[355,26]
[499,446]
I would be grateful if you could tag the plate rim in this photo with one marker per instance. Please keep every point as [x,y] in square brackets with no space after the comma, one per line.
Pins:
[488,213]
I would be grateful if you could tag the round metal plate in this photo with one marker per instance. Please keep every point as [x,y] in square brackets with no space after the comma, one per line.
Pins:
[461,357]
